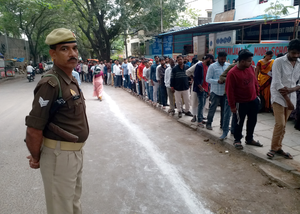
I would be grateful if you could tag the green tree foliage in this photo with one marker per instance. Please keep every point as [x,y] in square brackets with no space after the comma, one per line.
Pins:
[277,9]
[98,24]
[103,21]
[188,18]
[34,19]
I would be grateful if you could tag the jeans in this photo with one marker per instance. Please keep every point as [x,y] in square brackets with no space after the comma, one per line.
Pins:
[215,100]
[201,103]
[127,81]
[163,94]
[150,91]
[227,115]
[251,110]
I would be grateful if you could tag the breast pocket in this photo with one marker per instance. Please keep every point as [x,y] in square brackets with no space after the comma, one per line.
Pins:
[76,106]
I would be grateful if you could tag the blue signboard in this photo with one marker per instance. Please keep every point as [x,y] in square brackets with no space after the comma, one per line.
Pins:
[258,50]
[168,45]
[156,46]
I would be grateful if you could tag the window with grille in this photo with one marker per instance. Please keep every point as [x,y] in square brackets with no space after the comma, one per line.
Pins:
[296,2]
[229,5]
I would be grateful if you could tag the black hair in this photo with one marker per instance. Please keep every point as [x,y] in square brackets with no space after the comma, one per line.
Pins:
[162,59]
[245,54]
[222,54]
[146,61]
[156,56]
[294,45]
[142,58]
[124,59]
[166,57]
[280,55]
[179,56]
[269,53]
[53,47]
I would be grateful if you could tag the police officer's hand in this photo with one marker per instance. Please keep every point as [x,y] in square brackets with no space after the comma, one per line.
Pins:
[33,163]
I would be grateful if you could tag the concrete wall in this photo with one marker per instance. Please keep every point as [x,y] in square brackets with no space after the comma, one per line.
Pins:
[251,8]
[15,48]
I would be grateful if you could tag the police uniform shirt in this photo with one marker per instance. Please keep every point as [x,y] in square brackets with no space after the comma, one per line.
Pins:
[71,116]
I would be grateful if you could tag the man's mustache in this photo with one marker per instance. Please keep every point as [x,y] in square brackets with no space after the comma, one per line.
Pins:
[72,58]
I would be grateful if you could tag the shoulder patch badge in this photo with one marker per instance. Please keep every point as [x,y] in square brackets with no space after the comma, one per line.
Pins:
[52,83]
[43,102]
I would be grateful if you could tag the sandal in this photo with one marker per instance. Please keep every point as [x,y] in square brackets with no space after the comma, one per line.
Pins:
[271,154]
[254,143]
[284,154]
[201,125]
[238,145]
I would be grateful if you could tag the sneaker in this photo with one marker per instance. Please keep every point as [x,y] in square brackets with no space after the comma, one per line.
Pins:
[194,119]
[188,114]
[223,137]
[180,114]
[208,126]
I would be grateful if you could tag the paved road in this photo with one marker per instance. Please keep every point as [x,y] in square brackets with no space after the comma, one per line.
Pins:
[137,160]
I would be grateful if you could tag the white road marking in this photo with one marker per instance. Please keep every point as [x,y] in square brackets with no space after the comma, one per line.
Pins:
[170,171]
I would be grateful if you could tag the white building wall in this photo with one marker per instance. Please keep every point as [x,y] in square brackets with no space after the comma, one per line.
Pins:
[251,8]
[200,5]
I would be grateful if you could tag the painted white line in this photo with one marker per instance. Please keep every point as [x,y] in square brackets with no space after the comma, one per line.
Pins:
[170,171]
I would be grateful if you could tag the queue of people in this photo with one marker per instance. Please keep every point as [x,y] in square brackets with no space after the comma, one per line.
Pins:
[240,89]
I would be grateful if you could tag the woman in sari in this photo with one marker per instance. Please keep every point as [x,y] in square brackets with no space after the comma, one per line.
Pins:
[98,83]
[263,74]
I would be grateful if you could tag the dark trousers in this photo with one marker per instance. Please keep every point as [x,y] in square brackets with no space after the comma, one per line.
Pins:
[118,81]
[82,74]
[140,87]
[163,94]
[105,79]
[133,86]
[215,101]
[249,109]
[90,76]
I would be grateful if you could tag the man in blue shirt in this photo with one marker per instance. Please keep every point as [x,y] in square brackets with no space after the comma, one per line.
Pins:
[125,74]
[153,79]
[217,89]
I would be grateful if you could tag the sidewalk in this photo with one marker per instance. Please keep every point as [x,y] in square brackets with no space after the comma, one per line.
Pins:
[17,76]
[263,132]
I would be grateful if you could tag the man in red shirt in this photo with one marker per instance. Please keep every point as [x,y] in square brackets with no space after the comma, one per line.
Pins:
[140,76]
[242,93]
[41,67]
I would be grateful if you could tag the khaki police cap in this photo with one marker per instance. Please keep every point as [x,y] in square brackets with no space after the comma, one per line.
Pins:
[60,36]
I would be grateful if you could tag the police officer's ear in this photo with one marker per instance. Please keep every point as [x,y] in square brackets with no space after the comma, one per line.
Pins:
[52,53]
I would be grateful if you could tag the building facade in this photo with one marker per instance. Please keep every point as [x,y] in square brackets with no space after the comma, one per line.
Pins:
[234,10]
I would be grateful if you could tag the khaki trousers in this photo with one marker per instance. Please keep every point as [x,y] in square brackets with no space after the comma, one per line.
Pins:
[186,99]
[171,98]
[281,115]
[62,177]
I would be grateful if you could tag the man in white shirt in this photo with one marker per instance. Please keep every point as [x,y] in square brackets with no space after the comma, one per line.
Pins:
[118,74]
[285,74]
[30,69]
[169,90]
[85,71]
[146,75]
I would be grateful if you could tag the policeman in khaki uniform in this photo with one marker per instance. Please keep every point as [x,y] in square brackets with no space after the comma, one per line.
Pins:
[57,127]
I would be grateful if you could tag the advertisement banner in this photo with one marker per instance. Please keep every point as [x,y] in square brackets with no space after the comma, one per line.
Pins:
[212,43]
[168,44]
[226,38]
[258,50]
[156,46]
